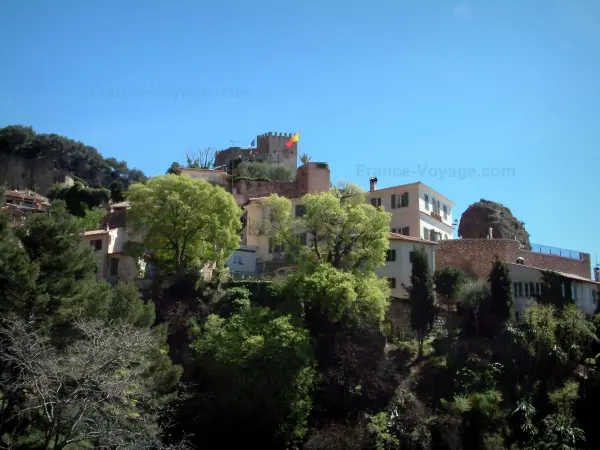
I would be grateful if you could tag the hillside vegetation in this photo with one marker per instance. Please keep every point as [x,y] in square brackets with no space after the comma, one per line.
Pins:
[29,160]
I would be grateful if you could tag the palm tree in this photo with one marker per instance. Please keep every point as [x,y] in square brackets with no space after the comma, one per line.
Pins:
[304,158]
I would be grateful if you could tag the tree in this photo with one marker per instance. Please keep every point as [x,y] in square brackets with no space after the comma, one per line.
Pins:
[117,192]
[202,159]
[258,366]
[501,298]
[98,390]
[79,198]
[447,281]
[185,222]
[304,158]
[92,219]
[472,296]
[174,168]
[422,299]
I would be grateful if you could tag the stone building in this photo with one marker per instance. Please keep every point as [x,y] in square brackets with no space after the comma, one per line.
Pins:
[270,149]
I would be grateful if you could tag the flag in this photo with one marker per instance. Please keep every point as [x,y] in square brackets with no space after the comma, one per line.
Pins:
[253,143]
[294,138]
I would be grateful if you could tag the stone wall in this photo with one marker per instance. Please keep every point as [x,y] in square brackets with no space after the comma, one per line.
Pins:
[476,256]
[311,178]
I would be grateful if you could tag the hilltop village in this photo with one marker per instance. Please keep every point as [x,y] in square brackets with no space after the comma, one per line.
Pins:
[242,298]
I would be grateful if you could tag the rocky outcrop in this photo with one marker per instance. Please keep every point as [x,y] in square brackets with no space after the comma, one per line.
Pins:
[485,214]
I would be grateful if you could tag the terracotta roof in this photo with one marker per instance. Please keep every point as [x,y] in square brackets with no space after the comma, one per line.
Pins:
[95,232]
[25,194]
[571,276]
[402,237]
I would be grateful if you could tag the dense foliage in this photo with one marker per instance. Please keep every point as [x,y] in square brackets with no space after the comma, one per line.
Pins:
[36,161]
[296,362]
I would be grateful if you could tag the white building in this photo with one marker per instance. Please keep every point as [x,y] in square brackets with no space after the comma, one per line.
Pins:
[417,210]
[242,262]
[398,266]
[528,281]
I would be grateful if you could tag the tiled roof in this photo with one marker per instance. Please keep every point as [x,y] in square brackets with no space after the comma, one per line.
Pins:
[571,276]
[402,237]
[26,193]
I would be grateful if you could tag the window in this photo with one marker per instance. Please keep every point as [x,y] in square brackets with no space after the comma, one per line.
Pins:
[517,316]
[445,236]
[28,204]
[527,292]
[404,200]
[593,296]
[518,287]
[410,256]
[392,283]
[445,212]
[275,247]
[376,202]
[425,234]
[237,259]
[302,238]
[394,230]
[391,255]
[537,291]
[426,202]
[394,201]
[300,210]
[10,200]
[405,231]
[114,267]
[271,244]
[96,244]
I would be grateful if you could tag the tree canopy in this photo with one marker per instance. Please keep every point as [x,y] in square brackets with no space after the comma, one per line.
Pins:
[185,222]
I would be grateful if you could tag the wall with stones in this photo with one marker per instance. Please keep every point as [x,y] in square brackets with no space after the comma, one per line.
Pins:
[476,256]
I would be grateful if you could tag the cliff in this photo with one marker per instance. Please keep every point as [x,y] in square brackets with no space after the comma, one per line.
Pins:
[36,161]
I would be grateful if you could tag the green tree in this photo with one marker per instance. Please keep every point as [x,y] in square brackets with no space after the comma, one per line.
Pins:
[472,298]
[91,220]
[447,281]
[185,222]
[501,298]
[117,192]
[173,169]
[259,369]
[422,299]
[79,198]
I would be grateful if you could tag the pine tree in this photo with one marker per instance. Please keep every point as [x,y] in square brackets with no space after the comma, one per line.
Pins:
[501,299]
[421,296]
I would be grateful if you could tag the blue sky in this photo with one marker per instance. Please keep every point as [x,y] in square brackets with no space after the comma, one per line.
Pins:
[417,86]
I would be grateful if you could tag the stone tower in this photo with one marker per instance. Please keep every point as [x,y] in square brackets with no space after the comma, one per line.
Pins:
[271,148]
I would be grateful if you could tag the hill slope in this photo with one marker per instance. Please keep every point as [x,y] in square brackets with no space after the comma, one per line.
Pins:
[36,161]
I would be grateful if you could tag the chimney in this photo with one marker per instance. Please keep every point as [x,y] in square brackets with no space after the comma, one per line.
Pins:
[373,184]
[597,273]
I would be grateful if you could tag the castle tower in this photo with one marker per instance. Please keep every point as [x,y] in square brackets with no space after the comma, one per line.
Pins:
[272,149]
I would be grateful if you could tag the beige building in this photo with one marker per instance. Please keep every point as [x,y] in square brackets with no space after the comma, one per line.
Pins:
[107,245]
[398,265]
[256,234]
[417,210]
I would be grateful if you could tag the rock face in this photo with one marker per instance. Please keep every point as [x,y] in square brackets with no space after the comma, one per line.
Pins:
[479,217]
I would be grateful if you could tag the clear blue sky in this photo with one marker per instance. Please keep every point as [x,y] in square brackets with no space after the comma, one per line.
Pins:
[414,85]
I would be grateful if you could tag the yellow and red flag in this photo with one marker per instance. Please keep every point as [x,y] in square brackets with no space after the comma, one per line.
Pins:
[294,138]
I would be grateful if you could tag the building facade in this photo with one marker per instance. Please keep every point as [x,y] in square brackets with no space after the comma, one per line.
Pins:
[18,204]
[398,265]
[417,210]
[528,282]
[270,148]
[243,261]
[107,245]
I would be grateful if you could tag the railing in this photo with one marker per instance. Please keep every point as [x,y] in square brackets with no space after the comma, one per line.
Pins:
[548,250]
